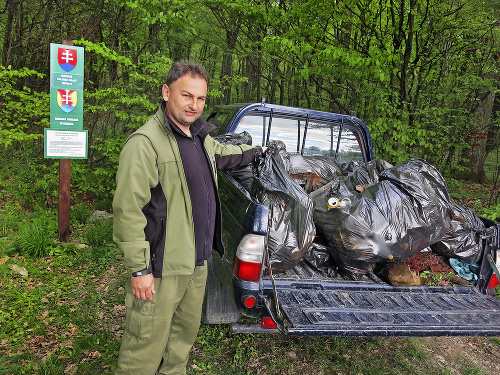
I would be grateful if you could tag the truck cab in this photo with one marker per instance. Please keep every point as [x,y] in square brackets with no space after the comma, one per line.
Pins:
[307,300]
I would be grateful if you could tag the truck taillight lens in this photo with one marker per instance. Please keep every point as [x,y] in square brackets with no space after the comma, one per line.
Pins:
[248,261]
[249,302]
[268,323]
[247,270]
[494,280]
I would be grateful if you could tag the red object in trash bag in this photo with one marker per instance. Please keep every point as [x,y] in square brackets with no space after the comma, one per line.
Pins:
[427,261]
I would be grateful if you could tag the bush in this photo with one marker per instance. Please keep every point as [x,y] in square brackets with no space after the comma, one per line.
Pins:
[99,233]
[8,222]
[81,213]
[492,213]
[34,239]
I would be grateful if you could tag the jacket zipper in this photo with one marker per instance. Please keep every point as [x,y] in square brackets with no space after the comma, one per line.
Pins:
[205,255]
[213,171]
[156,242]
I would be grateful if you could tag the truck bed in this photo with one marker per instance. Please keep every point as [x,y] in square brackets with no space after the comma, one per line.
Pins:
[308,273]
[311,303]
[370,311]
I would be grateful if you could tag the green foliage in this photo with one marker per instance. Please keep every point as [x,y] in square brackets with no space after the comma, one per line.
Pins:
[21,107]
[105,52]
[8,222]
[99,233]
[437,278]
[35,182]
[416,98]
[97,179]
[47,322]
[128,101]
[35,239]
[492,213]
[80,213]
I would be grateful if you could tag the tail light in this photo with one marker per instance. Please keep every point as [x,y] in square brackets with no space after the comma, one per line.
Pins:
[249,255]
[249,302]
[268,323]
[493,282]
[494,279]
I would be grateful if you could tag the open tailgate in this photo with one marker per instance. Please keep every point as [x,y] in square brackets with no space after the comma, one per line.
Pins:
[349,310]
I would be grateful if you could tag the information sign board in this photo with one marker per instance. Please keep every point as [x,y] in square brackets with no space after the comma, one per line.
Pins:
[63,144]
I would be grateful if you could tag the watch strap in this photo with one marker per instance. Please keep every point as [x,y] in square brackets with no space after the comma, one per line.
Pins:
[141,272]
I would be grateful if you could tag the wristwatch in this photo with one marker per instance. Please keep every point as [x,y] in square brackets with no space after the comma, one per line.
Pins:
[143,272]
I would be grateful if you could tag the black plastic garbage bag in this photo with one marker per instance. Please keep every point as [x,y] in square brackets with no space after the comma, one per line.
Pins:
[319,258]
[353,175]
[243,138]
[366,173]
[323,166]
[462,240]
[282,242]
[407,210]
[292,228]
[244,175]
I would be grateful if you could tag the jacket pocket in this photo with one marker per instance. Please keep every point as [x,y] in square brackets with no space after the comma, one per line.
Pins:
[140,318]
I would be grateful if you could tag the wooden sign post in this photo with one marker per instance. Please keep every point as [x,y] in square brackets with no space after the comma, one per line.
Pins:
[64,190]
[66,138]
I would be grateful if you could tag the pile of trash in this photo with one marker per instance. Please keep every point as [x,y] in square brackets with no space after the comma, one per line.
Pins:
[355,216]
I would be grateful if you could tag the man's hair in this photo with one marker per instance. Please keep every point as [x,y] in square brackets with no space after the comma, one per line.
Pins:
[183,67]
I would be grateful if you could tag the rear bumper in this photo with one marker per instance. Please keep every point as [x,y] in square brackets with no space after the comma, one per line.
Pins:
[251,328]
[245,289]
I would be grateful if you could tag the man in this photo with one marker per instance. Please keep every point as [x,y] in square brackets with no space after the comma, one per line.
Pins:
[167,220]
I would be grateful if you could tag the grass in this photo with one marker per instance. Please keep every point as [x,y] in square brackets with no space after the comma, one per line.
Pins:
[52,317]
[62,312]
[65,314]
[66,317]
[217,352]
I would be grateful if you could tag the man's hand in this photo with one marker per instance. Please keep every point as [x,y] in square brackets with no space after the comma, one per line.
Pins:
[143,287]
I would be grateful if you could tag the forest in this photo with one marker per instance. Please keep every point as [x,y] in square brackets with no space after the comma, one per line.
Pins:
[422,74]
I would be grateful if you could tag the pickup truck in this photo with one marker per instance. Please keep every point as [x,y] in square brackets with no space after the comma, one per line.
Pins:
[243,289]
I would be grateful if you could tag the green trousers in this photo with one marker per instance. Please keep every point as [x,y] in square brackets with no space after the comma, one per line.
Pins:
[159,334]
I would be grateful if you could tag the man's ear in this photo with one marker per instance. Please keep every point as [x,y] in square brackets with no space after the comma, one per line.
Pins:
[165,92]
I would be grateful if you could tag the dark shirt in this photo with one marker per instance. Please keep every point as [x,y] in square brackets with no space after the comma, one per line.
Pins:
[201,186]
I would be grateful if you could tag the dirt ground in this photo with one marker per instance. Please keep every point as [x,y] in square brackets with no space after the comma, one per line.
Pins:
[457,353]
[444,355]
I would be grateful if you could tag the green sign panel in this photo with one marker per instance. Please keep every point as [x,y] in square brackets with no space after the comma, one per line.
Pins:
[66,87]
[66,109]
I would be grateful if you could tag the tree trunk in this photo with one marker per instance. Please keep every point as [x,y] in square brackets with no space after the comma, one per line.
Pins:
[7,41]
[476,154]
[227,61]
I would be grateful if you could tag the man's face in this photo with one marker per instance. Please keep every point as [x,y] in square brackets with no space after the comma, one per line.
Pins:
[185,99]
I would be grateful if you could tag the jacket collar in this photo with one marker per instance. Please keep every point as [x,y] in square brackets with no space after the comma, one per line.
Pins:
[199,127]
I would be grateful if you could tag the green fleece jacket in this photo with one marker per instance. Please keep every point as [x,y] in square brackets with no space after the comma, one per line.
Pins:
[153,221]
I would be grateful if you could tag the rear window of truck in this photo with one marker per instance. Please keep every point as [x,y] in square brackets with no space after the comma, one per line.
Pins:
[321,137]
